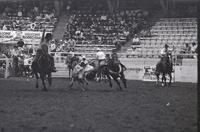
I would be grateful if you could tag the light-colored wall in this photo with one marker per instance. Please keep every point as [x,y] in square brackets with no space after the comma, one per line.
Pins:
[187,72]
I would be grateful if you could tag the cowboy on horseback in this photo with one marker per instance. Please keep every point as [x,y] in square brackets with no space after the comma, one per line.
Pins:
[116,62]
[164,66]
[166,52]
[43,51]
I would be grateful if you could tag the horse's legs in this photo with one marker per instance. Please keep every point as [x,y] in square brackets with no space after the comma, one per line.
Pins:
[69,73]
[163,80]
[49,79]
[170,78]
[71,82]
[122,77]
[42,76]
[109,79]
[37,77]
[157,75]
[118,83]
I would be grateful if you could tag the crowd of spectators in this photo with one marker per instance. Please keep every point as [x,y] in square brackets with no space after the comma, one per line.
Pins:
[28,16]
[101,27]
[189,48]
[62,45]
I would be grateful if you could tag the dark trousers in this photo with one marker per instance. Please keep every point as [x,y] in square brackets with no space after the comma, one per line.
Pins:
[15,66]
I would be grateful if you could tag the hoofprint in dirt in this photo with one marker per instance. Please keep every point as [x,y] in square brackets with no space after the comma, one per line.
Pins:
[143,107]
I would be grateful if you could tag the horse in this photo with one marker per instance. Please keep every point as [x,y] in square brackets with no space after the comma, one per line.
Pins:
[71,62]
[164,67]
[116,70]
[42,66]
[111,69]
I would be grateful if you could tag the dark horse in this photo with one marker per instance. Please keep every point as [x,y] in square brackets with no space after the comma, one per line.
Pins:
[71,62]
[42,66]
[114,70]
[164,67]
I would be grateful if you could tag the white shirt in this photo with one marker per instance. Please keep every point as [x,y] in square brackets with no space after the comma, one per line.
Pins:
[135,40]
[193,48]
[163,51]
[100,55]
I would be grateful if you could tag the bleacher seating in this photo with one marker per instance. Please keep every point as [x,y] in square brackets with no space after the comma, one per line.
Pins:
[100,29]
[175,32]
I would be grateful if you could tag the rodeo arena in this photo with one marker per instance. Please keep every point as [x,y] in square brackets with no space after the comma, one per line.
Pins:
[98,65]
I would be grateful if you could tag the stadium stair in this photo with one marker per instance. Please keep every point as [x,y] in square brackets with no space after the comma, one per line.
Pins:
[59,30]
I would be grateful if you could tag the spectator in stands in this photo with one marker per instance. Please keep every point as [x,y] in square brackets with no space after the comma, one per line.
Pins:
[72,43]
[136,40]
[52,46]
[194,48]
[186,49]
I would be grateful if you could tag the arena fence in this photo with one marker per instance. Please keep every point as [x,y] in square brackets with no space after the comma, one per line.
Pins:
[137,68]
[185,70]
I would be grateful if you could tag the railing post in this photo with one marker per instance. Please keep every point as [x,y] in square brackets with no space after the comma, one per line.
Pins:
[7,68]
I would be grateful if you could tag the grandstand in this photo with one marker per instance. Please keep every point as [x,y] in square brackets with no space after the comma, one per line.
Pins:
[175,32]
[84,25]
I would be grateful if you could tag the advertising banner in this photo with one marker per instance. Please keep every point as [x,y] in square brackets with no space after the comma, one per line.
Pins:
[12,37]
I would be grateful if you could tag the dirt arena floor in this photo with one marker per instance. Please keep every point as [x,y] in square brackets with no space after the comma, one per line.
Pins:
[143,107]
